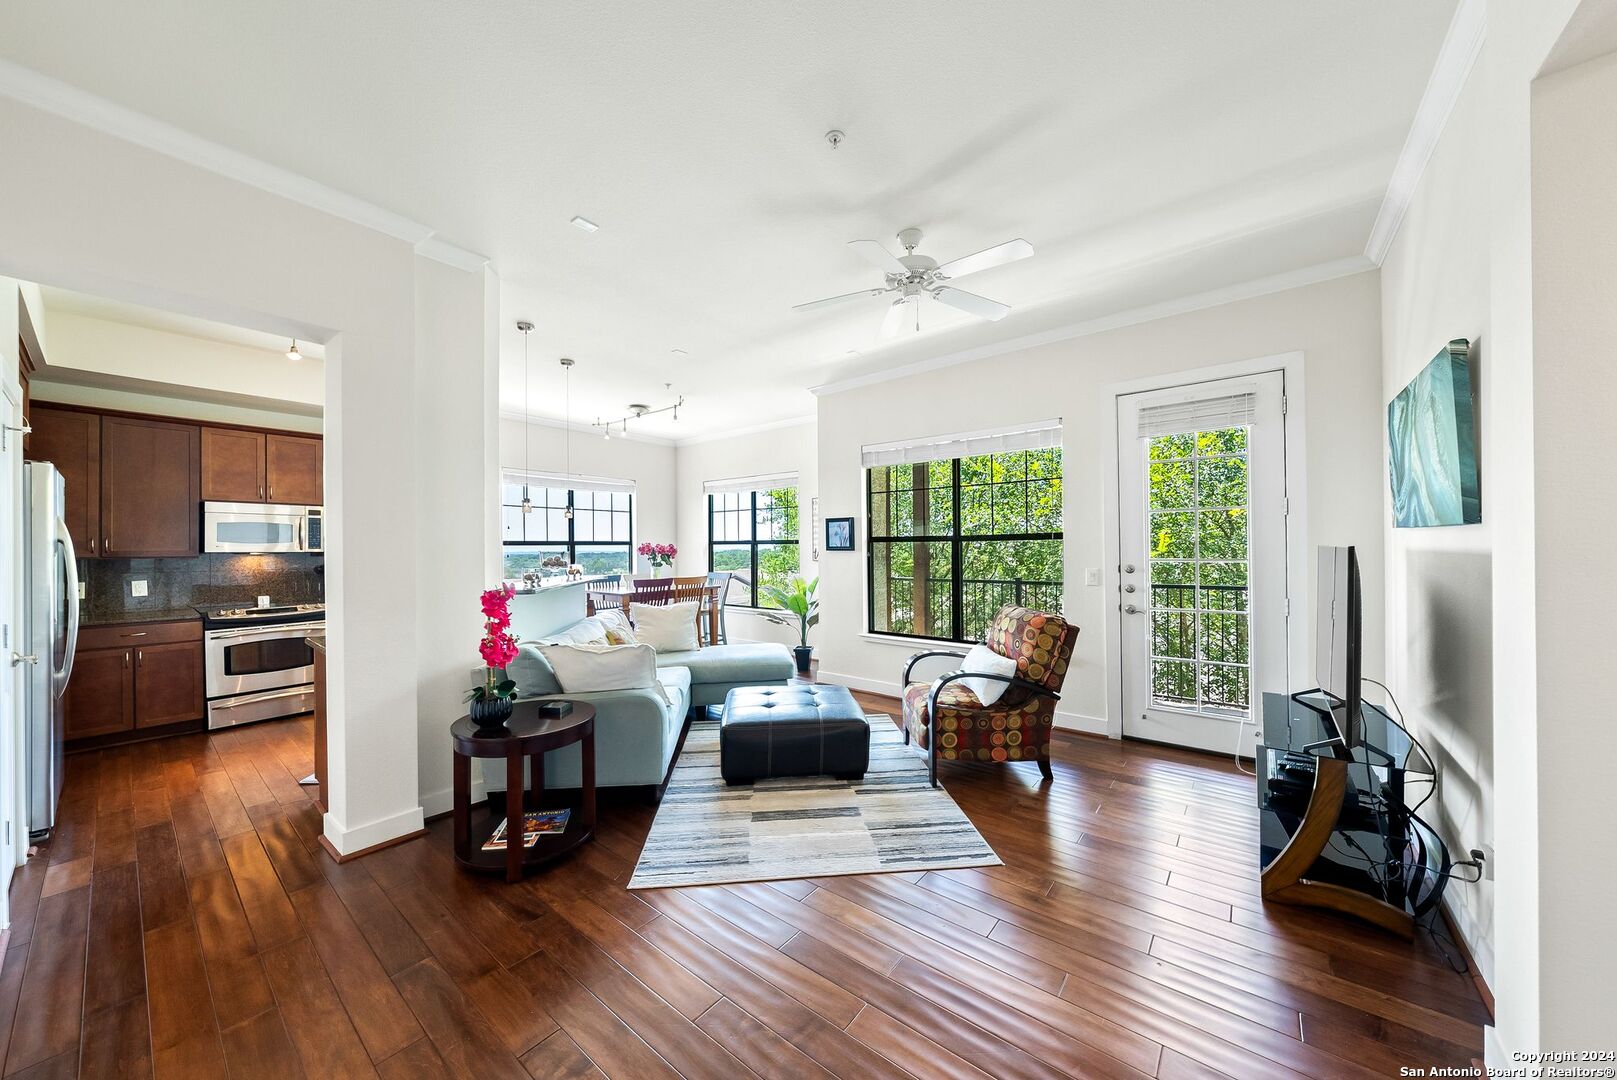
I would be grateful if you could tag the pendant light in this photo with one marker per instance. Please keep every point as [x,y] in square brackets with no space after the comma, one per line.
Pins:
[292,353]
[526,328]
[567,431]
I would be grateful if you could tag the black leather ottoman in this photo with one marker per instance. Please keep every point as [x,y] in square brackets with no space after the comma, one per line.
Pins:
[772,731]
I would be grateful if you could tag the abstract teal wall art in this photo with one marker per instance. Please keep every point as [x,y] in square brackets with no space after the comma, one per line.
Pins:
[1431,435]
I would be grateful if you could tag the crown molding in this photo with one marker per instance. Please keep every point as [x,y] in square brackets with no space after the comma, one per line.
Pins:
[1456,58]
[754,429]
[1246,290]
[82,107]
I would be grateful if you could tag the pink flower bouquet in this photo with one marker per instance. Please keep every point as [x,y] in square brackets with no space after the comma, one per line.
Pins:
[492,700]
[659,554]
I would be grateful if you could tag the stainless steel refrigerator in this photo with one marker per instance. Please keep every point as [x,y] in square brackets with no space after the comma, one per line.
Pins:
[51,586]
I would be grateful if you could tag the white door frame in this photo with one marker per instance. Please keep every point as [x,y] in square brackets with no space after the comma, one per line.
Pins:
[1289,363]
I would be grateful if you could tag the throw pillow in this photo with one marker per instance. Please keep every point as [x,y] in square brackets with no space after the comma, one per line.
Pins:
[532,673]
[618,629]
[667,627]
[983,659]
[590,631]
[586,669]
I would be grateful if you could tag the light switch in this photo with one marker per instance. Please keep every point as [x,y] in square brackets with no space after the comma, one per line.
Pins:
[137,587]
[1092,576]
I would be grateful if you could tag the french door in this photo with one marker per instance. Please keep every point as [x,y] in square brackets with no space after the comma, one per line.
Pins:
[1202,558]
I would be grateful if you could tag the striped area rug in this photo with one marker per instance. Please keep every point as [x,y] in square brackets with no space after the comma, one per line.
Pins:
[708,833]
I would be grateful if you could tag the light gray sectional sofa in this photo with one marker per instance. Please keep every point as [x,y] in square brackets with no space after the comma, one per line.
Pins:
[638,732]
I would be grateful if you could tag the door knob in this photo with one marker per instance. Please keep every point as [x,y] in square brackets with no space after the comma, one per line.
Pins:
[1132,610]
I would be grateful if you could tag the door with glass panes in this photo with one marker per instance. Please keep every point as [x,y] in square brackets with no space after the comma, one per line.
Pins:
[1202,558]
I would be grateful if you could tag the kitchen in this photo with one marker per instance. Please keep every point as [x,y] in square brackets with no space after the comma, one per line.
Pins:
[179,552]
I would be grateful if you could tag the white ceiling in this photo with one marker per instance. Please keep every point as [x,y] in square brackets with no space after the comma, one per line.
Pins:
[1148,151]
[99,307]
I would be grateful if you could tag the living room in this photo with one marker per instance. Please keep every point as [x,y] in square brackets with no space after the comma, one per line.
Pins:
[1217,251]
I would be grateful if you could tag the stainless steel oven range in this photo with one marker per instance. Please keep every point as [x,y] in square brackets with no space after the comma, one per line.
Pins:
[258,666]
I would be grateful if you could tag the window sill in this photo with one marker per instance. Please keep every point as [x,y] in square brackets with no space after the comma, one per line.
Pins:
[915,644]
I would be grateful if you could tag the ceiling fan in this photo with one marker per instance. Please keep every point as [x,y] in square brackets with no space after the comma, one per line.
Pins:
[913,276]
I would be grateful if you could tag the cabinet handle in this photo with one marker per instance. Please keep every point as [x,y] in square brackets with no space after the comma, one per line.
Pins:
[126,659]
[140,657]
[106,543]
[260,491]
[272,491]
[92,545]
[141,633]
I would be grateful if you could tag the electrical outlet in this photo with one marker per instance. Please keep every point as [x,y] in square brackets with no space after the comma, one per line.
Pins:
[84,590]
[137,587]
[1483,853]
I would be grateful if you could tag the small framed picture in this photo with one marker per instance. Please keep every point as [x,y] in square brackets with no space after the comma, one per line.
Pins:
[839,534]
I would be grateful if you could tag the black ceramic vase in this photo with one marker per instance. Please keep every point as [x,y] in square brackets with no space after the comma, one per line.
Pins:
[491,713]
[804,654]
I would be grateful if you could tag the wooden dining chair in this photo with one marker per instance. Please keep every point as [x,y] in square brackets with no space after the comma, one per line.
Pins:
[718,591]
[652,591]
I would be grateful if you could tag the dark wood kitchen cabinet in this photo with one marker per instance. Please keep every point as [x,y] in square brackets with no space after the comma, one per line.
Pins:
[232,465]
[150,487]
[100,698]
[168,683]
[294,470]
[136,675]
[71,440]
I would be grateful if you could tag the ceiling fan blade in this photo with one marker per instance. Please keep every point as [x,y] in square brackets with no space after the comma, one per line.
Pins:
[894,319]
[828,301]
[877,255]
[998,255]
[980,306]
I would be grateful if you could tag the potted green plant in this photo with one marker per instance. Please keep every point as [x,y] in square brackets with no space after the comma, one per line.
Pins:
[798,606]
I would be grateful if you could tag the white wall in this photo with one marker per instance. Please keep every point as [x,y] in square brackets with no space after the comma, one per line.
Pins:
[790,448]
[1439,586]
[1334,324]
[649,464]
[85,348]
[175,237]
[1574,119]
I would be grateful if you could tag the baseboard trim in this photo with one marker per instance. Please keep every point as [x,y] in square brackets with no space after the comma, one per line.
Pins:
[1483,990]
[339,857]
[377,834]
[1065,721]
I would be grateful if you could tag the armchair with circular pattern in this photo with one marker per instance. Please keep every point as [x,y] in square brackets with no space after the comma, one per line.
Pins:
[947,720]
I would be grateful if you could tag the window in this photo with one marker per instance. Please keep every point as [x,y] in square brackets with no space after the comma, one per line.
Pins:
[953,539]
[1198,560]
[753,534]
[598,536]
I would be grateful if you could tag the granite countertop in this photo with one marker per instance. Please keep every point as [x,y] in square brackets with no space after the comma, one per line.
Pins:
[124,618]
[316,642]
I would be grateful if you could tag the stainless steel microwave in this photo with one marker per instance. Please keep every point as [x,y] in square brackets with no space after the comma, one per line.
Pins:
[257,528]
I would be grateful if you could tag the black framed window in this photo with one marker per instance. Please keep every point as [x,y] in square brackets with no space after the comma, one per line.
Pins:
[598,537]
[951,541]
[753,534]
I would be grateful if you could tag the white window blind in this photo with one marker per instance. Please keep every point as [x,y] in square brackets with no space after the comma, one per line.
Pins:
[518,477]
[1226,410]
[765,482]
[1038,436]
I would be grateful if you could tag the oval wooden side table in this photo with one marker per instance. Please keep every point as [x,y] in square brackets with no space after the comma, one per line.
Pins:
[528,737]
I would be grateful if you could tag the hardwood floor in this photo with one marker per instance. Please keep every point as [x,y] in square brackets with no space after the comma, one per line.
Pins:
[183,922]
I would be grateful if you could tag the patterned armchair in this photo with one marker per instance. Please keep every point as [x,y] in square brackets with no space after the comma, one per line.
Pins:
[946,718]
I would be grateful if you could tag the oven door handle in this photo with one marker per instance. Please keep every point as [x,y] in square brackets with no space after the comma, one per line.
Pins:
[279,630]
[268,695]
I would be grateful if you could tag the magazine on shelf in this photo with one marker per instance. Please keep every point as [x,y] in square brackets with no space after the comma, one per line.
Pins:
[535,823]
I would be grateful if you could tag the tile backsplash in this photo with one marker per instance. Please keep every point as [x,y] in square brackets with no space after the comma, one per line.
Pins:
[205,579]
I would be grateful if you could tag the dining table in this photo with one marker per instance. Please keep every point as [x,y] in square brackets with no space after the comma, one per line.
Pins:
[670,591]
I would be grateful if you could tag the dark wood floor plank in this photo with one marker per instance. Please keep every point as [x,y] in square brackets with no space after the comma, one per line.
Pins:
[909,1049]
[418,1061]
[228,950]
[185,1036]
[269,912]
[559,1058]
[200,852]
[754,1045]
[52,994]
[259,1049]
[115,968]
[11,972]
[396,945]
[460,1034]
[615,1048]
[117,1042]
[163,896]
[293,864]
[229,815]
[315,1021]
[384,1024]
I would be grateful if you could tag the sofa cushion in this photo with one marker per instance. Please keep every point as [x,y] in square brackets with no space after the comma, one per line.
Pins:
[583,669]
[667,627]
[532,673]
[741,663]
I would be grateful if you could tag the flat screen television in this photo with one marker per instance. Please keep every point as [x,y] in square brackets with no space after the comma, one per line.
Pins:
[1338,641]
